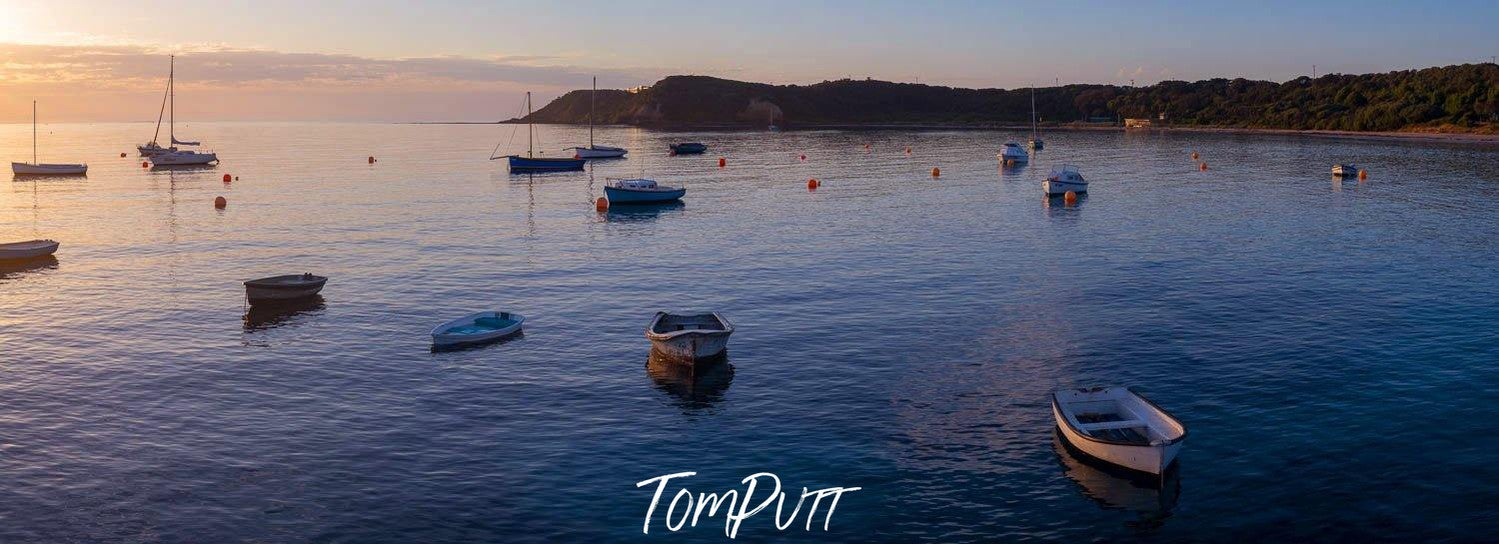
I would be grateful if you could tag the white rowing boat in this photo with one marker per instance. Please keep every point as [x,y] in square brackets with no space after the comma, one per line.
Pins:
[1118,426]
[689,338]
[29,249]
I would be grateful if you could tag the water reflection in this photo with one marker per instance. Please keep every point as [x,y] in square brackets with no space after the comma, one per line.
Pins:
[693,386]
[639,213]
[269,315]
[20,267]
[1153,498]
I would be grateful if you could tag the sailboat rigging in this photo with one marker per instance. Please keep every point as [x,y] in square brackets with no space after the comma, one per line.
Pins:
[532,163]
[595,151]
[173,156]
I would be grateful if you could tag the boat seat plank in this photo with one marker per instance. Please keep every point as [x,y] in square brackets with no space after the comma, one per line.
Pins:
[1106,425]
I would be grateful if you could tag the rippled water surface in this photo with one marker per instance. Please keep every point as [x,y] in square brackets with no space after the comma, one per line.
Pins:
[1331,345]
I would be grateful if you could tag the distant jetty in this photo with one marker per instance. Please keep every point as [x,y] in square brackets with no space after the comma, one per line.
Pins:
[1455,99]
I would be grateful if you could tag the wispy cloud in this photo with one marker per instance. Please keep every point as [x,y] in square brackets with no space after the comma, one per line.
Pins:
[60,71]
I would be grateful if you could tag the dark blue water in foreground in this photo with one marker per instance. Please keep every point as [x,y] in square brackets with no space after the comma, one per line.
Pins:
[1331,346]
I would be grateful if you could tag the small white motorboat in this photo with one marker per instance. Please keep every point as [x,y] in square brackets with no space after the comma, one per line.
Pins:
[1064,178]
[288,287]
[29,249]
[1013,154]
[183,158]
[35,168]
[1118,426]
[1344,170]
[477,328]
[688,338]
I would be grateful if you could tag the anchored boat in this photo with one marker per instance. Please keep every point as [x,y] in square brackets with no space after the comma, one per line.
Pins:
[1035,142]
[1118,426]
[688,148]
[172,156]
[1013,154]
[477,328]
[596,151]
[288,287]
[29,249]
[1344,170]
[532,163]
[1064,178]
[640,191]
[35,168]
[689,338]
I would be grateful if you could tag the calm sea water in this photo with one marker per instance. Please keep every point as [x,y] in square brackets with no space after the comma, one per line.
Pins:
[1330,345]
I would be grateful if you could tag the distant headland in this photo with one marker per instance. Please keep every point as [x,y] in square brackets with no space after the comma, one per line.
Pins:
[1450,99]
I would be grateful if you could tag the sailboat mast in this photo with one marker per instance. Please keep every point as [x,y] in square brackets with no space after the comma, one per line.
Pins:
[530,129]
[591,102]
[33,132]
[1033,113]
[172,92]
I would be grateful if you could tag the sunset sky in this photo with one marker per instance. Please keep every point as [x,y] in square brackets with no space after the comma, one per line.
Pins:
[453,60]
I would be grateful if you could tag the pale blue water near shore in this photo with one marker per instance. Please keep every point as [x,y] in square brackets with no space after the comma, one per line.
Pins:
[1330,345]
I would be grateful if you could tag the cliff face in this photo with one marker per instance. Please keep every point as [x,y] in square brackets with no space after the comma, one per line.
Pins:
[1465,96]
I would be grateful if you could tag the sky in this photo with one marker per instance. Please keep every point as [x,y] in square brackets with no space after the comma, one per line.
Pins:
[377,60]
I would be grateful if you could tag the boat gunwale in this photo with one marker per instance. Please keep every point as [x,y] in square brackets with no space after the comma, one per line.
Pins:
[650,330]
[1057,405]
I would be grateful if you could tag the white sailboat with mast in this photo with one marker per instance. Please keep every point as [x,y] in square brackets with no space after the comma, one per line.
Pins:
[1035,142]
[175,156]
[34,168]
[594,151]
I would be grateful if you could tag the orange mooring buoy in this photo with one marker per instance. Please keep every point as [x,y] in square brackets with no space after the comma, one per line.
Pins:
[602,204]
[1203,166]
[721,162]
[936,171]
[220,202]
[122,155]
[1363,175]
[812,184]
[372,160]
[228,178]
[1194,155]
[1069,197]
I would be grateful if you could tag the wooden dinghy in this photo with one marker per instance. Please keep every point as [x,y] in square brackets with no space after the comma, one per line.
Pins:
[29,249]
[477,328]
[288,287]
[1118,426]
[689,338]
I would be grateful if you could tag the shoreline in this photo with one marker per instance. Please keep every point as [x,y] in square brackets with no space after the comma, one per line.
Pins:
[1467,138]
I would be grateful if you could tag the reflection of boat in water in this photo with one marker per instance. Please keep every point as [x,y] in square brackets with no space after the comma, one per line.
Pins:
[1117,489]
[694,386]
[642,212]
[272,314]
[21,266]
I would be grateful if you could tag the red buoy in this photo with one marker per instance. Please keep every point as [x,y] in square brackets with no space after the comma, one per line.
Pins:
[812,184]
[1194,155]
[372,160]
[220,202]
[908,151]
[227,178]
[804,156]
[1363,175]
[601,205]
[936,171]
[144,164]
[721,162]
[1069,197]
[1203,167]
[122,155]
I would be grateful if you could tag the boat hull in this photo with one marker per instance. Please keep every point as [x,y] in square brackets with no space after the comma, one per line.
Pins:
[1148,459]
[617,195]
[444,335]
[598,152]
[691,345]
[1014,159]
[281,288]
[28,169]
[689,149]
[28,250]
[1061,187]
[531,164]
[184,159]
